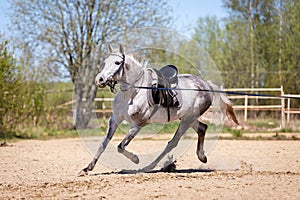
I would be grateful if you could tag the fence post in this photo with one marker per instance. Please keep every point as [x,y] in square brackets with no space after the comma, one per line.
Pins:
[282,109]
[288,110]
[246,108]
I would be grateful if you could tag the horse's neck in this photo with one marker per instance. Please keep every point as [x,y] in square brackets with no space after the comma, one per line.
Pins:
[134,75]
[137,80]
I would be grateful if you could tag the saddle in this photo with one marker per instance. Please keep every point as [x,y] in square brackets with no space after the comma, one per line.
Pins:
[169,73]
[166,78]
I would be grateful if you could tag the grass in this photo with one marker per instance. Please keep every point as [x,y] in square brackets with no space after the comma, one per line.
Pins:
[151,128]
[264,123]
[235,133]
[100,126]
[286,130]
[39,133]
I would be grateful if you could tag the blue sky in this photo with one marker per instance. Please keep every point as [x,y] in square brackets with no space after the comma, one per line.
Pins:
[186,13]
[4,5]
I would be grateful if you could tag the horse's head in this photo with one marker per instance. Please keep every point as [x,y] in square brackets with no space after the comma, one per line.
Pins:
[113,69]
[119,67]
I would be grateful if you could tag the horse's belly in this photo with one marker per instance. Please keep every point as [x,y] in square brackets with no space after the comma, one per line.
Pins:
[162,116]
[133,114]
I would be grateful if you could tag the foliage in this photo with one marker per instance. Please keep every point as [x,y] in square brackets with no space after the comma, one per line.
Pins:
[257,45]
[8,79]
[23,99]
[41,132]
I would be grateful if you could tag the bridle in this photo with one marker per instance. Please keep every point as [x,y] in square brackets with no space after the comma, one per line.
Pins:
[121,69]
[113,83]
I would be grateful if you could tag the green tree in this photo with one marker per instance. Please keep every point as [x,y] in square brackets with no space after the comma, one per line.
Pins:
[209,34]
[227,43]
[273,40]
[291,46]
[8,82]
[22,101]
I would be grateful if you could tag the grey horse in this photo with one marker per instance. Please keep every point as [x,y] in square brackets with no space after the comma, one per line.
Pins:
[131,104]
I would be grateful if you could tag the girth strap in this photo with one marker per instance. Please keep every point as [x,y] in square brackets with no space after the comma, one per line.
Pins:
[156,106]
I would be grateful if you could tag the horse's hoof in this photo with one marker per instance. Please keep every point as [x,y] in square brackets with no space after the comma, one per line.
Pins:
[82,173]
[135,159]
[202,158]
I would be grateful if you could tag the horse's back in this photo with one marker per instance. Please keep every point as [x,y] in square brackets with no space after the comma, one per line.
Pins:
[197,94]
[191,81]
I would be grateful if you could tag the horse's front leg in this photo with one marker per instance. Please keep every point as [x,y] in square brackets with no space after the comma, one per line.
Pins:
[109,134]
[134,129]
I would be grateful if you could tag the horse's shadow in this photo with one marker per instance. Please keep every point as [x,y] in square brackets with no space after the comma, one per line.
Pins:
[176,171]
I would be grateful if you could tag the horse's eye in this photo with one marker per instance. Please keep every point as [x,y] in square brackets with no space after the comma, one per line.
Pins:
[117,63]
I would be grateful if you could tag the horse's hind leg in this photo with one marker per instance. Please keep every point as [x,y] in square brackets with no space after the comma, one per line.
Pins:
[121,147]
[200,128]
[183,127]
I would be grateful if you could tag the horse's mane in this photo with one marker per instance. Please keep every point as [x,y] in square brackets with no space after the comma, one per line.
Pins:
[131,60]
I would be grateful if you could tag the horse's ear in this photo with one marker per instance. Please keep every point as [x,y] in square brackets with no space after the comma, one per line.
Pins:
[121,49]
[109,48]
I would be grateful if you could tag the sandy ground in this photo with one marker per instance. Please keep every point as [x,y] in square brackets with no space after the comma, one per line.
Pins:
[236,169]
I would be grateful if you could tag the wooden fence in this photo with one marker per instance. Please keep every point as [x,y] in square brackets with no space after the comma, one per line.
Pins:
[280,105]
[290,110]
[245,106]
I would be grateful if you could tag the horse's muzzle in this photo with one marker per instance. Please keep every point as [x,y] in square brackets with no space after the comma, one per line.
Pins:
[101,83]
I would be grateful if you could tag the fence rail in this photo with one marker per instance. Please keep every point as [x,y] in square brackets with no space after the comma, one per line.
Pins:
[286,110]
[280,105]
[290,110]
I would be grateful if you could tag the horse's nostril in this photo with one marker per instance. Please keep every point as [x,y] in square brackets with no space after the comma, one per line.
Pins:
[100,82]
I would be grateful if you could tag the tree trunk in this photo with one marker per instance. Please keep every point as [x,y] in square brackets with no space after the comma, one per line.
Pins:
[251,44]
[84,104]
[84,94]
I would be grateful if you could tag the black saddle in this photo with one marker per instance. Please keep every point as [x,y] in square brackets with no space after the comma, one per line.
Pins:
[170,72]
[167,78]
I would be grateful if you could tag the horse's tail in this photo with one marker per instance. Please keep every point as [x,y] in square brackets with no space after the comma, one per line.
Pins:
[223,102]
